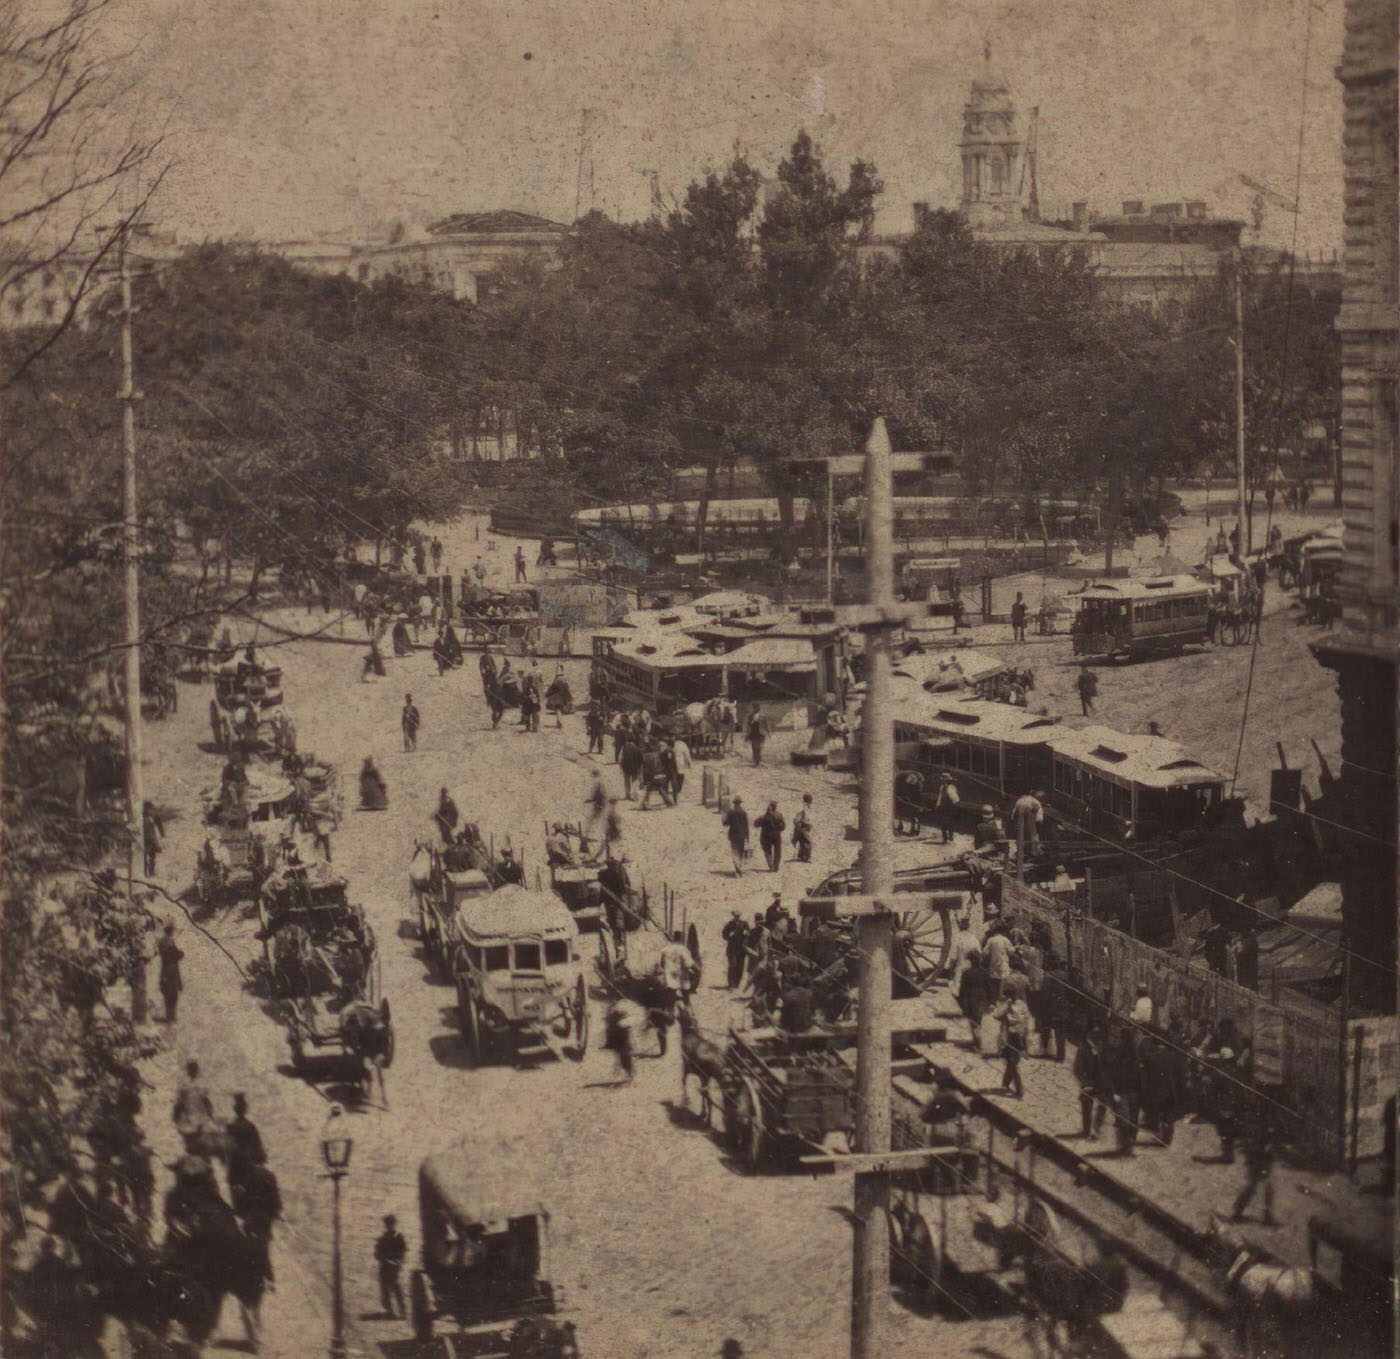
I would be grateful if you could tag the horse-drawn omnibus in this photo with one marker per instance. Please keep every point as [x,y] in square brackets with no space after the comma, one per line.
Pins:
[1136,618]
[519,977]
[1130,787]
[485,1237]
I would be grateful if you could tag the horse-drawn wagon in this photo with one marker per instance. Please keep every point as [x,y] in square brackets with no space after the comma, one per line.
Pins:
[322,960]
[520,984]
[441,881]
[923,932]
[485,1237]
[646,961]
[787,1094]
[509,619]
[246,709]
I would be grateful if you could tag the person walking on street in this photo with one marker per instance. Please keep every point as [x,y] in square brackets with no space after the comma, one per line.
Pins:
[152,835]
[171,984]
[519,565]
[446,816]
[756,736]
[1258,1163]
[1015,1033]
[678,760]
[620,731]
[1088,685]
[1018,619]
[596,726]
[411,719]
[243,1141]
[1126,1076]
[770,836]
[802,830]
[996,949]
[435,552]
[389,1252]
[193,1112]
[735,935]
[1095,1089]
[655,779]
[736,822]
[257,1201]
[630,762]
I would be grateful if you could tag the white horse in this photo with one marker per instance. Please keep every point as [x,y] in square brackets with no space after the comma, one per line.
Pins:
[1257,1278]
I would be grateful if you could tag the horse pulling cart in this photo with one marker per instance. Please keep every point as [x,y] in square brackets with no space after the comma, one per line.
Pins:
[651,966]
[787,1094]
[246,709]
[322,960]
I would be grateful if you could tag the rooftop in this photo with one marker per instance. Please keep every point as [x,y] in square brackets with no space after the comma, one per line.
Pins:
[1152,761]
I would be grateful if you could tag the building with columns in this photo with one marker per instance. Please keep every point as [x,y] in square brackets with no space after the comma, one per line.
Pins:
[1361,806]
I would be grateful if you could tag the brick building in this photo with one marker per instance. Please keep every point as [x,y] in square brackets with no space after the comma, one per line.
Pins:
[1362,652]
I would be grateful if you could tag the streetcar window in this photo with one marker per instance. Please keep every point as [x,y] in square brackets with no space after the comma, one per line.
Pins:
[556,951]
[527,957]
[497,958]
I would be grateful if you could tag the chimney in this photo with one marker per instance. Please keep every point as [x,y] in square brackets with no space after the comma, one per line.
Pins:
[1166,211]
[921,215]
[1081,213]
[1132,207]
[1196,209]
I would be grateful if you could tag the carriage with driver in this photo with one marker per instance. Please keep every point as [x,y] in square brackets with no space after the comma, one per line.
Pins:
[484,1257]
[246,709]
[322,961]
[652,963]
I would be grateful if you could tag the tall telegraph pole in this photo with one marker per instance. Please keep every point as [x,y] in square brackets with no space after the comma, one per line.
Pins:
[131,541]
[870,1282]
[1245,544]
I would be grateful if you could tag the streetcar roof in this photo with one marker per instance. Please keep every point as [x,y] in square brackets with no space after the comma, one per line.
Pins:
[934,668]
[515,912]
[1152,761]
[977,717]
[1148,587]
[479,1184]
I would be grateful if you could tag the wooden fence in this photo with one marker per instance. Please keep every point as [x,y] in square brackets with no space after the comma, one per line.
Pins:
[1301,1051]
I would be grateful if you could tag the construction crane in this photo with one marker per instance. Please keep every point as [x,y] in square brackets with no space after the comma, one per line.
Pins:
[1028,167]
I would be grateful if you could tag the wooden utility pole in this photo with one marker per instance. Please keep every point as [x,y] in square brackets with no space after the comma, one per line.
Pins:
[870,1282]
[1244,544]
[830,558]
[131,553]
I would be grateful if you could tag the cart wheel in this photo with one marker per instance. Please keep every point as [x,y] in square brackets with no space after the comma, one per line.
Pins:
[420,1305]
[746,1131]
[471,1025]
[580,1019]
[387,1054]
[923,940]
[607,955]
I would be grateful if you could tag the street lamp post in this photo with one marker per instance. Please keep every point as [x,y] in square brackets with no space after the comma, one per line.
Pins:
[336,1152]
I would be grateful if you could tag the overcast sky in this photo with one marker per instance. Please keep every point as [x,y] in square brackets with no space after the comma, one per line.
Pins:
[295,118]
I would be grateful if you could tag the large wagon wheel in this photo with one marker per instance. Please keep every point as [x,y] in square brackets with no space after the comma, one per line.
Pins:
[579,1019]
[609,961]
[923,940]
[471,1023]
[420,1304]
[386,1047]
[743,1123]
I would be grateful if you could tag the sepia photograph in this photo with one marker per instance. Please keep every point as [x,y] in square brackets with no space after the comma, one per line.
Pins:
[688,681]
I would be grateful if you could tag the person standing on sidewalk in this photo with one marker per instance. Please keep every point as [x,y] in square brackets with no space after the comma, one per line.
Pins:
[1259,1148]
[1018,619]
[1126,1074]
[171,984]
[1015,1029]
[411,719]
[389,1252]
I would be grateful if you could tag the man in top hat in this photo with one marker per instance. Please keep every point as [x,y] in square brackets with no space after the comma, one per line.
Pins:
[389,1252]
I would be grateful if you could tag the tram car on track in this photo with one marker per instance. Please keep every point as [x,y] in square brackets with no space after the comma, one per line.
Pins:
[519,977]
[1135,619]
[484,1255]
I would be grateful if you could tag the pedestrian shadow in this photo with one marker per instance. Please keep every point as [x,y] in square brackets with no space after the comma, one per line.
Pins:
[407,929]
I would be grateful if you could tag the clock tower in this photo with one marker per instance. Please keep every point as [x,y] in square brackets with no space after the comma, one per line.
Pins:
[991,151]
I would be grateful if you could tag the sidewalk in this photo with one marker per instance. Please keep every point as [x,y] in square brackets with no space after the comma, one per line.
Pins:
[1187,1179]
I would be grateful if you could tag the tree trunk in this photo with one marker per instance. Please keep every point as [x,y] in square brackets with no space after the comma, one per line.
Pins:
[259,565]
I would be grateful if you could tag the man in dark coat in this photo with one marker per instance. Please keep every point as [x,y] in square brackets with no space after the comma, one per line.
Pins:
[245,1145]
[630,762]
[171,955]
[446,816]
[1095,1087]
[1053,1008]
[389,1252]
[1126,1075]
[756,735]
[735,935]
[257,1201]
[770,836]
[410,719]
[736,823]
